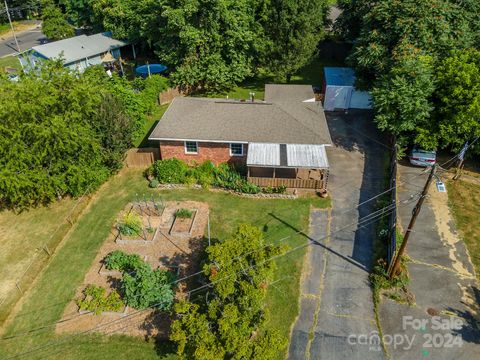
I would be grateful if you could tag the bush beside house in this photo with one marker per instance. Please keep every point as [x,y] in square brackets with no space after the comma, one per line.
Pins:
[226,176]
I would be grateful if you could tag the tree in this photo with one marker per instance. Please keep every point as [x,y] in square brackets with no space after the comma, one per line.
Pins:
[402,97]
[63,133]
[54,23]
[458,98]
[294,29]
[211,44]
[229,323]
[380,27]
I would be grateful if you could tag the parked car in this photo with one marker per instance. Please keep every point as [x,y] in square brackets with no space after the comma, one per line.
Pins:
[420,157]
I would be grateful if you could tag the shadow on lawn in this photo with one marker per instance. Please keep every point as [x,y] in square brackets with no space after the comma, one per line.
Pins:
[319,242]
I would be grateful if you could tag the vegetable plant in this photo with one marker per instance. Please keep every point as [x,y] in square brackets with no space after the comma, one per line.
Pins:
[184,213]
[131,225]
[97,301]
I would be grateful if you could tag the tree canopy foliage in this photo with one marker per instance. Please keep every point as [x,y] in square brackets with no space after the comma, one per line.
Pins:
[228,321]
[213,44]
[399,52]
[294,29]
[63,133]
[54,23]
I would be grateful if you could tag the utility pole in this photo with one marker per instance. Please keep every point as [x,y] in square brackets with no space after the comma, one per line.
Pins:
[11,25]
[394,269]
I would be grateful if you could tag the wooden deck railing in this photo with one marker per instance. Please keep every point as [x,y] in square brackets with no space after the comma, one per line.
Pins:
[289,183]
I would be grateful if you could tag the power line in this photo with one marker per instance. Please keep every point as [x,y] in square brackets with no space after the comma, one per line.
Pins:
[299,232]
[372,215]
[316,241]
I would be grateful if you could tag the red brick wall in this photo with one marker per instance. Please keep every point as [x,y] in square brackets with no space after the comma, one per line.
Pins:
[215,152]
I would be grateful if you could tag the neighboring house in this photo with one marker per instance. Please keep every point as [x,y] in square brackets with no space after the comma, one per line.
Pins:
[340,92]
[281,140]
[78,53]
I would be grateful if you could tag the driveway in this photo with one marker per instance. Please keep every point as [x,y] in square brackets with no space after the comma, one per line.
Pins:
[26,40]
[336,299]
[442,281]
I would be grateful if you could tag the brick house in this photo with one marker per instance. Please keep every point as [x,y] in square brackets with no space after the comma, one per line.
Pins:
[281,140]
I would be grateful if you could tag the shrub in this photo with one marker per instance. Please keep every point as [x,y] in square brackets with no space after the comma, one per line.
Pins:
[275,190]
[97,301]
[131,225]
[144,288]
[153,184]
[118,260]
[184,213]
[170,171]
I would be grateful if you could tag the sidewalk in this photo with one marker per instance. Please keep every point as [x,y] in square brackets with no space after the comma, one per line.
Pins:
[443,323]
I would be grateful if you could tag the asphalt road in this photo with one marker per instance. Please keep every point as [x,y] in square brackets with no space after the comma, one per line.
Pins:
[336,302]
[442,282]
[26,40]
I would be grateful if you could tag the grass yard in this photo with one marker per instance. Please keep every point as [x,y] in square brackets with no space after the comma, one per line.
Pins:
[9,61]
[43,306]
[311,74]
[23,237]
[465,202]
[152,120]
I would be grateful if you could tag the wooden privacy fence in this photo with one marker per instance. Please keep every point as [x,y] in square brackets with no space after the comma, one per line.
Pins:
[143,157]
[289,183]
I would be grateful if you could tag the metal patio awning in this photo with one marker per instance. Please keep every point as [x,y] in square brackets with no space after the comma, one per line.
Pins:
[287,156]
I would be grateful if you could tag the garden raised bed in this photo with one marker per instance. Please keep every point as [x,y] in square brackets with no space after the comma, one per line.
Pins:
[137,240]
[183,226]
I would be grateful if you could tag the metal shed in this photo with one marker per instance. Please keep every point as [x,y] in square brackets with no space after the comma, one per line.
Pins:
[340,92]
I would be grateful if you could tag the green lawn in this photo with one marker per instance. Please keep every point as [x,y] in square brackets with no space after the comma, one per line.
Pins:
[311,74]
[152,120]
[22,238]
[9,61]
[56,286]
[464,201]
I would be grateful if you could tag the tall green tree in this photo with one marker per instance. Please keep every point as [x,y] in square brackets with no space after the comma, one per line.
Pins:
[402,98]
[458,99]
[63,133]
[211,44]
[384,28]
[54,23]
[228,322]
[294,29]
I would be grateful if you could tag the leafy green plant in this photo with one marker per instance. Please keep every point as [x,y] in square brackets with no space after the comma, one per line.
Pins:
[170,171]
[236,305]
[184,213]
[118,260]
[144,288]
[97,301]
[153,184]
[275,190]
[131,225]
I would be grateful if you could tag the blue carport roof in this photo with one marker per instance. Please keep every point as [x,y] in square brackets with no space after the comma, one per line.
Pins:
[339,76]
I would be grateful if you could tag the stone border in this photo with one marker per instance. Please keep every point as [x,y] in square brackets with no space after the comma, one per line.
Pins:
[253,196]
[189,232]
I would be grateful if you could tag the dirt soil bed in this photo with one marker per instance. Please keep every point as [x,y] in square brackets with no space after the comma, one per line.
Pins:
[183,226]
[177,253]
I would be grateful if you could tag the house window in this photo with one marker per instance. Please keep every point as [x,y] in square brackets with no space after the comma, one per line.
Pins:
[236,149]
[191,147]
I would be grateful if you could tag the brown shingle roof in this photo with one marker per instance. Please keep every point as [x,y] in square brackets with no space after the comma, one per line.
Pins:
[284,119]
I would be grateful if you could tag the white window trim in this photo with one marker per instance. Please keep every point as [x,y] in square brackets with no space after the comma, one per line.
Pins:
[243,149]
[190,152]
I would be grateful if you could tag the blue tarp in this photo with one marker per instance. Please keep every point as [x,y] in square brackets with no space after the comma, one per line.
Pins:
[144,70]
[339,76]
